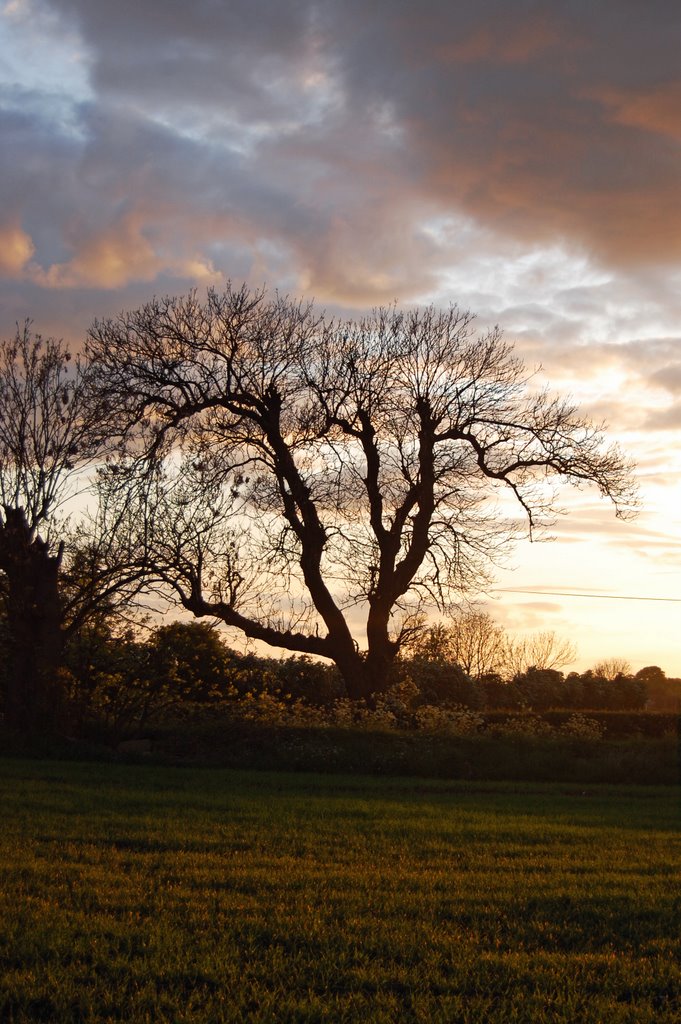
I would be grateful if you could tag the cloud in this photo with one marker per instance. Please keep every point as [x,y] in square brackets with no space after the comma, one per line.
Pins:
[16,249]
[668,376]
[327,137]
[519,159]
[118,255]
[519,614]
[665,419]
[656,111]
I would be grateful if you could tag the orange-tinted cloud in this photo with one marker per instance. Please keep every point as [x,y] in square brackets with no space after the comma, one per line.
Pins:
[656,110]
[121,253]
[506,40]
[16,249]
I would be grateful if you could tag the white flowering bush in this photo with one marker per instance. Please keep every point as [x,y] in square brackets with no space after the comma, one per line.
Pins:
[583,727]
[262,707]
[396,709]
[450,721]
[523,725]
[347,713]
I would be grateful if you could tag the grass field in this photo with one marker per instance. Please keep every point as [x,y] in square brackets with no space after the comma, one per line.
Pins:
[139,893]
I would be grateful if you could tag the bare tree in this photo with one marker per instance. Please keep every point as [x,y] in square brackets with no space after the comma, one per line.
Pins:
[542,651]
[341,464]
[477,643]
[611,668]
[42,439]
[53,576]
[470,639]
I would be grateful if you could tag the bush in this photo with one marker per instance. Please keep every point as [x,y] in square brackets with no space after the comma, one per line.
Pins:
[213,739]
[448,721]
[443,683]
[583,727]
[613,724]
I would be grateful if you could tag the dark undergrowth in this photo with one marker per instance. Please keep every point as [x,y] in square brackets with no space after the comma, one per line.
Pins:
[221,742]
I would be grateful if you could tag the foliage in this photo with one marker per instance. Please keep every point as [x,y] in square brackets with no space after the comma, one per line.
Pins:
[538,688]
[130,682]
[441,682]
[453,720]
[106,668]
[303,679]
[661,693]
[127,681]
[583,727]
[594,691]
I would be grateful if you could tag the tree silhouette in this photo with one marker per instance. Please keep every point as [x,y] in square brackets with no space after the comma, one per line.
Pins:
[53,576]
[43,437]
[470,639]
[291,469]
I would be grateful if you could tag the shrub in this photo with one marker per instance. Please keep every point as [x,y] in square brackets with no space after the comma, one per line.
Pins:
[523,725]
[450,721]
[583,727]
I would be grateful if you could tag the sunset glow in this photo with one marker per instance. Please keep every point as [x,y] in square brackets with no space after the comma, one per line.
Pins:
[521,161]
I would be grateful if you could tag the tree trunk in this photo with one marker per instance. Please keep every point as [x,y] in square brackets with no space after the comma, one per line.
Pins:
[367,675]
[34,700]
[378,664]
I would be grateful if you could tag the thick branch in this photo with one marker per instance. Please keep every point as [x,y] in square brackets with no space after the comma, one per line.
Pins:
[299,642]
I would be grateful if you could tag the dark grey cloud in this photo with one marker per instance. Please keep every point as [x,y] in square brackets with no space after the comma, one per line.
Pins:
[327,133]
[213,53]
[541,119]
[356,152]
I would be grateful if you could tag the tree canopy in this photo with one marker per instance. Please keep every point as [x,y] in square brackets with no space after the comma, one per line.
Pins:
[292,471]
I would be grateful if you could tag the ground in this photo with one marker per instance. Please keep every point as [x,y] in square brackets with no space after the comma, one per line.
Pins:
[146,893]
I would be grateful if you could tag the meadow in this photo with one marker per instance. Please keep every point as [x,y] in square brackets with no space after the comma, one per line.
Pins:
[143,893]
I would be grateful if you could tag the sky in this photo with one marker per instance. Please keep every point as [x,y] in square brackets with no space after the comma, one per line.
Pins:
[522,160]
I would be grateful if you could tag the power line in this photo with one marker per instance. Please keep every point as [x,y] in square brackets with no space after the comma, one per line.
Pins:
[596,597]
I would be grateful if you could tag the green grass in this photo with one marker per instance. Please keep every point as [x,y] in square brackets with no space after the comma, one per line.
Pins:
[140,893]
